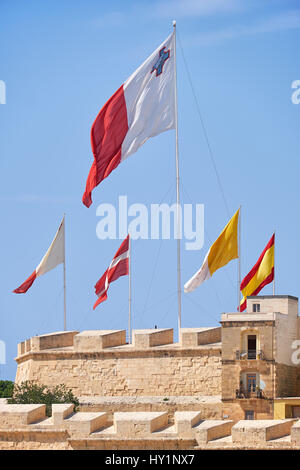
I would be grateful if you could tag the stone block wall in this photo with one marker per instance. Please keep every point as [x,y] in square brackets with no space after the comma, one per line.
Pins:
[286,380]
[155,373]
[100,364]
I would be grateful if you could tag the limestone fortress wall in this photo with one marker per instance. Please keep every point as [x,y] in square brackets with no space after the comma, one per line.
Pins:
[100,363]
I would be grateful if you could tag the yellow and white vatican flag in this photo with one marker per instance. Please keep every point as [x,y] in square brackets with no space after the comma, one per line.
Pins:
[224,249]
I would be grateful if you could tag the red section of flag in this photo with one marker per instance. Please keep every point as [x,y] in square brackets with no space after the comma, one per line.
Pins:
[253,272]
[25,286]
[118,267]
[268,280]
[255,268]
[107,135]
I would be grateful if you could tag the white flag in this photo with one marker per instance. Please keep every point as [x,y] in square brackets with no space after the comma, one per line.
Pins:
[54,256]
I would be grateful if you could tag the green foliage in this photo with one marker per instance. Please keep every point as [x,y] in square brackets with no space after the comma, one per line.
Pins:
[6,388]
[30,392]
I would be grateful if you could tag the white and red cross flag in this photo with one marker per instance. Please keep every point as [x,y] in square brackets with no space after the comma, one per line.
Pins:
[117,268]
[143,107]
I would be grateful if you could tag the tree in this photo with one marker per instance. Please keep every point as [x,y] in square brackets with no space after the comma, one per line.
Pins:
[30,392]
[6,388]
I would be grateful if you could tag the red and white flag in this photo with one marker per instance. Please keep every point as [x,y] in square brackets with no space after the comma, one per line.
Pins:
[143,107]
[54,256]
[117,268]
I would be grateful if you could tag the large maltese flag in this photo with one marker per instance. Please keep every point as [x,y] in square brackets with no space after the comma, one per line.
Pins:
[143,107]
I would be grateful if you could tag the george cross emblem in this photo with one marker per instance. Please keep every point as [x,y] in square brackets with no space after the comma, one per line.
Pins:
[163,56]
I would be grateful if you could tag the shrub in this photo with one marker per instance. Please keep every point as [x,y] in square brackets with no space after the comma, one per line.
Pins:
[6,388]
[30,392]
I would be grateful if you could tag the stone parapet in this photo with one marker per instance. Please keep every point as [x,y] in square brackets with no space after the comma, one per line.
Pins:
[143,339]
[96,340]
[12,416]
[257,432]
[60,339]
[210,430]
[193,337]
[138,430]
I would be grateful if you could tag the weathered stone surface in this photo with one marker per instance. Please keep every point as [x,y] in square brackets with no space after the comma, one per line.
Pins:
[210,430]
[143,339]
[17,415]
[96,340]
[134,424]
[260,431]
[165,371]
[193,337]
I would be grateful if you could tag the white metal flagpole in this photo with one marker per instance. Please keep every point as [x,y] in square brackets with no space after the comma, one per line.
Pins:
[129,296]
[239,263]
[65,309]
[177,191]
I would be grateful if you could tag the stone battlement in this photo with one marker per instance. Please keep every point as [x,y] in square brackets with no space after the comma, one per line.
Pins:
[97,340]
[27,427]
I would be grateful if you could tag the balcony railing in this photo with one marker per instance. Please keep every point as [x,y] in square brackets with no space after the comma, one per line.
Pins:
[251,393]
[250,354]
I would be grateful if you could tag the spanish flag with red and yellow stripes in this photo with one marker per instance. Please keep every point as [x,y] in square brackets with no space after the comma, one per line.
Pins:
[260,275]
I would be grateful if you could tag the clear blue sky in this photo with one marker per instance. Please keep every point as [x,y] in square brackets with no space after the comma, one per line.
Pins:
[61,60]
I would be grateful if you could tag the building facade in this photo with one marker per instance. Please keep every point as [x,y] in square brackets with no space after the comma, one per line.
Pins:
[259,357]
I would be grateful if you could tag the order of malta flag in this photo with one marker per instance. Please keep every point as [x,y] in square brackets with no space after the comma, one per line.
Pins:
[260,275]
[143,107]
[54,256]
[117,268]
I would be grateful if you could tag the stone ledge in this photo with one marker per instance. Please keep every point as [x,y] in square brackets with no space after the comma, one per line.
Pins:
[149,338]
[18,415]
[211,429]
[260,431]
[132,424]
[185,421]
[193,337]
[54,340]
[97,340]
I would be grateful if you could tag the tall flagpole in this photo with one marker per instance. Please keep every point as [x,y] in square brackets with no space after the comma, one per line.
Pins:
[177,191]
[65,308]
[129,296]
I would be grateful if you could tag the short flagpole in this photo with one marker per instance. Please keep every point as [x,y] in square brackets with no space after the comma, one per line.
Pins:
[274,267]
[129,296]
[239,264]
[65,308]
[177,191]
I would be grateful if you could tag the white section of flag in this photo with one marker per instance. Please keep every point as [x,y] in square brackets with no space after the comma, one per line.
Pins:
[56,252]
[150,100]
[199,277]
